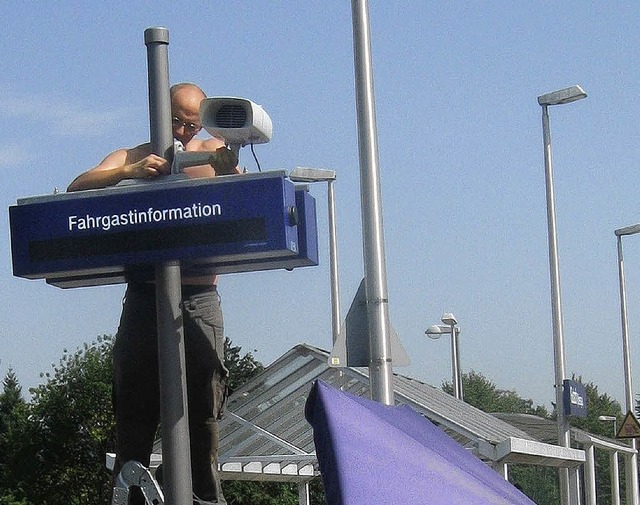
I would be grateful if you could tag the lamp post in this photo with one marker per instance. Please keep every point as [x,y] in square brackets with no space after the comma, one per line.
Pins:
[434,332]
[305,174]
[559,97]
[611,419]
[632,470]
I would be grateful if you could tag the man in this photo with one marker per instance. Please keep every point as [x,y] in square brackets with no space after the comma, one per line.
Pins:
[136,394]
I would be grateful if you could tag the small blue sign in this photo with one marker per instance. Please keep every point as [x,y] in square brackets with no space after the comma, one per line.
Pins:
[574,397]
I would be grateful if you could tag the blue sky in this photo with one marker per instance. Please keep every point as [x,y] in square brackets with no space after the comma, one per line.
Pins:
[460,151]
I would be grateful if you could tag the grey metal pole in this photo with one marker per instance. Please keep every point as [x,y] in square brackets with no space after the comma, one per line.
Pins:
[161,133]
[556,308]
[458,369]
[454,362]
[380,359]
[625,329]
[632,468]
[176,454]
[333,263]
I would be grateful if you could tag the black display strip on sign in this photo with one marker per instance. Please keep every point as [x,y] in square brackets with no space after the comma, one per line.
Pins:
[240,230]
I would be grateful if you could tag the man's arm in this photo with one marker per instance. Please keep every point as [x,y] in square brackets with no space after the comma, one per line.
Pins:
[222,161]
[119,165]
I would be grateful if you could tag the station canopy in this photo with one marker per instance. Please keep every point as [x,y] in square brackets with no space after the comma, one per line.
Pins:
[265,436]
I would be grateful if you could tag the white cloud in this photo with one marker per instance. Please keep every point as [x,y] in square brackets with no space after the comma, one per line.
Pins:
[12,154]
[62,117]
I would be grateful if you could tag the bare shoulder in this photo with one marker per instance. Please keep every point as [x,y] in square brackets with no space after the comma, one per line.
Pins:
[137,153]
[210,144]
[124,156]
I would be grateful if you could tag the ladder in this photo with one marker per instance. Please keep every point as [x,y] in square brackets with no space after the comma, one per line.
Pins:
[134,474]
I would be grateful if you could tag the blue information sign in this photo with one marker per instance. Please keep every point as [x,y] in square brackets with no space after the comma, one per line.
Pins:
[221,225]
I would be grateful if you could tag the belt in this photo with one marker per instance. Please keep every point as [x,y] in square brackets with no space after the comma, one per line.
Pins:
[187,289]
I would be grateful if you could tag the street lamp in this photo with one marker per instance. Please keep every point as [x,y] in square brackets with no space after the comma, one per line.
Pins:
[435,332]
[559,97]
[612,419]
[629,230]
[632,471]
[613,464]
[306,174]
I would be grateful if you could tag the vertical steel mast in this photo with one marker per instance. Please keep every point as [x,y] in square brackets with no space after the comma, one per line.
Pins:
[380,361]
[176,454]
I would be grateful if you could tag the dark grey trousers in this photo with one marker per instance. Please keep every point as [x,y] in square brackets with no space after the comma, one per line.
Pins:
[136,396]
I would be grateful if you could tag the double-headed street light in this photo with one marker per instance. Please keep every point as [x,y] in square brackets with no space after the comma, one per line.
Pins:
[559,97]
[435,332]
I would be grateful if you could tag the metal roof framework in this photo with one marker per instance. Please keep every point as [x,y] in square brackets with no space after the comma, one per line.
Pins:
[265,436]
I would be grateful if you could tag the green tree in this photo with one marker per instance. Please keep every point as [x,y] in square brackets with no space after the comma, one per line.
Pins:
[52,449]
[242,492]
[241,368]
[538,483]
[597,405]
[71,429]
[13,414]
[11,397]
[485,395]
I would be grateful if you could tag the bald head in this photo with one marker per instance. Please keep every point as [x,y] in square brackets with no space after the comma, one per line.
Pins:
[181,86]
[185,94]
[185,106]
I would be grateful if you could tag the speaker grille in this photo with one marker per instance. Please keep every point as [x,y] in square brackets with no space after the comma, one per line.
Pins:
[231,116]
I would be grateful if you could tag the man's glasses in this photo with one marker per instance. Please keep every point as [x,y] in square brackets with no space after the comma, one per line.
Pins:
[189,127]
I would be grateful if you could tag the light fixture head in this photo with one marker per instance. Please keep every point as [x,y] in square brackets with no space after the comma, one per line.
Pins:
[562,96]
[435,331]
[628,230]
[449,318]
[307,174]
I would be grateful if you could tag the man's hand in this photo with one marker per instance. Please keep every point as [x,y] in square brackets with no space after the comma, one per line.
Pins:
[224,161]
[148,167]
